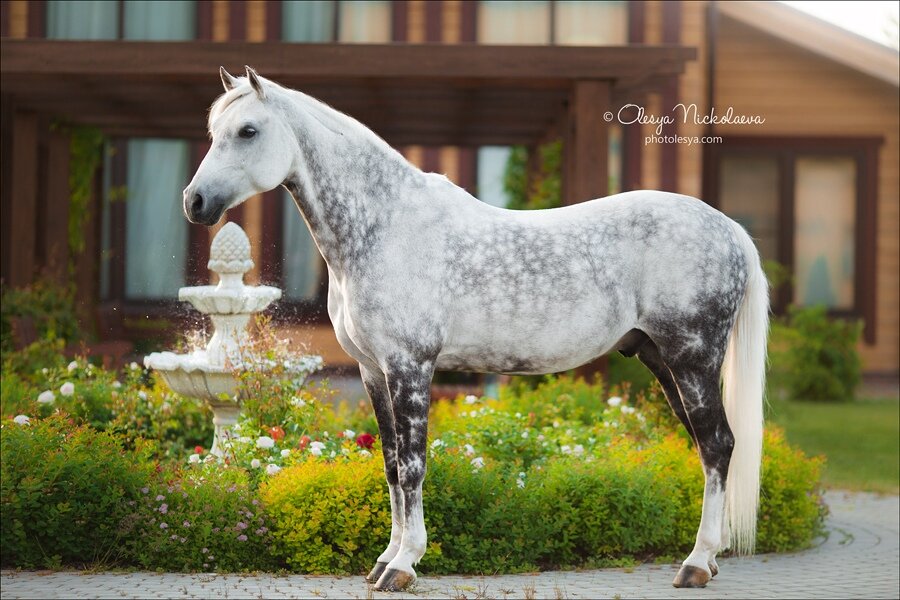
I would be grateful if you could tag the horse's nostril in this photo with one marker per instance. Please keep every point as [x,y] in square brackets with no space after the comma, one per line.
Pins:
[197,204]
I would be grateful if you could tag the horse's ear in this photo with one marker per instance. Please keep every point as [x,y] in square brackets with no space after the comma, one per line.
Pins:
[255,83]
[227,80]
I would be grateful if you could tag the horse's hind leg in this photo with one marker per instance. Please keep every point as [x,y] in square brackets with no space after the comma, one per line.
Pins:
[649,355]
[697,378]
[376,387]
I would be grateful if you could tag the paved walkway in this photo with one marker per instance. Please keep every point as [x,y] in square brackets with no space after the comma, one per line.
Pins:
[859,559]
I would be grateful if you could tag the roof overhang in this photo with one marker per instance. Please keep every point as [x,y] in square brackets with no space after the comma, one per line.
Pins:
[430,94]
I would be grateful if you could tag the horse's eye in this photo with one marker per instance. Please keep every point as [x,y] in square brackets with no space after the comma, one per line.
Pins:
[247,132]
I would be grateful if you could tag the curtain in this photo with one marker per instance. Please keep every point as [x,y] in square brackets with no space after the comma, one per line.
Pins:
[83,20]
[156,230]
[160,20]
[504,22]
[580,23]
[311,21]
[824,243]
[302,263]
[491,171]
[365,22]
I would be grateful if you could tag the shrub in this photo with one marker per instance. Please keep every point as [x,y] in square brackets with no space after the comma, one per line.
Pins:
[328,517]
[629,500]
[49,306]
[814,356]
[205,518]
[65,491]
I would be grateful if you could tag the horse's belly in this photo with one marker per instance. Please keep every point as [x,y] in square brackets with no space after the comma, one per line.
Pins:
[528,345]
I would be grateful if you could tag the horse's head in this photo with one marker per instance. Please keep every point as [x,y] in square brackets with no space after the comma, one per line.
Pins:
[251,149]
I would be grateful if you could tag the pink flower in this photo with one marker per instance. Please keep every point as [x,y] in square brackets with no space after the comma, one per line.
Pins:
[242,538]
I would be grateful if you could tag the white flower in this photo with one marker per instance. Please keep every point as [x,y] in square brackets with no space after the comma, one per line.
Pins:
[272,469]
[365,453]
[349,434]
[134,366]
[317,446]
[477,462]
[117,384]
[438,443]
[555,424]
[628,410]
[614,401]
[578,450]
[333,454]
[244,439]
[255,463]
[285,453]
[22,420]
[45,370]
[470,399]
[469,449]
[298,402]
[315,450]
[194,459]
[540,437]
[72,366]
[46,397]
[142,394]
[265,441]
[520,483]
[524,435]
[566,449]
[67,389]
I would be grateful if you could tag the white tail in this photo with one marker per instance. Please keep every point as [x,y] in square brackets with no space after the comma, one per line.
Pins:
[744,378]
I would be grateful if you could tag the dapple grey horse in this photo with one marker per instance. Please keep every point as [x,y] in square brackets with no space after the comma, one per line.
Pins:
[423,276]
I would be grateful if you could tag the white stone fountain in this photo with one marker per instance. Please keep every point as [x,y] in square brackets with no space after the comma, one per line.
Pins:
[211,374]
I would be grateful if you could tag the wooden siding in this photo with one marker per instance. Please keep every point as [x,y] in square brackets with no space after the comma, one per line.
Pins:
[802,94]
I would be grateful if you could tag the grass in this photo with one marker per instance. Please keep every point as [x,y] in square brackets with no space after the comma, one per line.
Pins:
[860,440]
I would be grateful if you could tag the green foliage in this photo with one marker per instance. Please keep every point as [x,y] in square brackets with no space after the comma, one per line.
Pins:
[50,307]
[204,519]
[629,371]
[814,356]
[330,518]
[65,492]
[85,157]
[791,508]
[545,190]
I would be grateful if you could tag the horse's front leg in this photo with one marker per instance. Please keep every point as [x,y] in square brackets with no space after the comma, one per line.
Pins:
[409,382]
[376,387]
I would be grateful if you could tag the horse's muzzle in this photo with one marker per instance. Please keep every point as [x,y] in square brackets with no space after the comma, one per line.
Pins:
[202,210]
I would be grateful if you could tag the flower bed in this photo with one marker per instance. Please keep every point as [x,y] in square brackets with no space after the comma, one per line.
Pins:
[558,476]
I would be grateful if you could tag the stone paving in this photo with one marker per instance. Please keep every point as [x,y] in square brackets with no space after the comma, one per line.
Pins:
[860,558]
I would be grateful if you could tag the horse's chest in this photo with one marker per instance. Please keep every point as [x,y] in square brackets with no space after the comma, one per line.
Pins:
[345,322]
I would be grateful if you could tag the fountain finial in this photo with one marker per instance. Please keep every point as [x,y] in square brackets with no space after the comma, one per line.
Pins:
[229,255]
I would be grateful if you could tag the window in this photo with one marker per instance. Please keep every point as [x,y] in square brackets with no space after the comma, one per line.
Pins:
[366,22]
[565,22]
[302,265]
[809,203]
[83,20]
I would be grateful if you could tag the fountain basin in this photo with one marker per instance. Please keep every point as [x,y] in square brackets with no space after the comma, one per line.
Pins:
[211,299]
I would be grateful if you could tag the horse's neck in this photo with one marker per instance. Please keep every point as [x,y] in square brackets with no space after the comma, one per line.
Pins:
[347,183]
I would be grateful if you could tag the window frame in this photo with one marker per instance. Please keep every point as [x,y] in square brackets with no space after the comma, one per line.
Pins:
[786,150]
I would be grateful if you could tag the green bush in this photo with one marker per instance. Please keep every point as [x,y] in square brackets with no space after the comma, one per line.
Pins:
[206,519]
[814,356]
[50,307]
[627,499]
[65,492]
[332,518]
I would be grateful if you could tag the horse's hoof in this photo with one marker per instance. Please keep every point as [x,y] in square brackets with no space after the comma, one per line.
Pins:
[691,577]
[394,580]
[713,568]
[376,572]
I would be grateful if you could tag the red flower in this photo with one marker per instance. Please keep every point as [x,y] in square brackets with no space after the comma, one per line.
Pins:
[198,449]
[365,440]
[276,432]
[304,442]
[340,434]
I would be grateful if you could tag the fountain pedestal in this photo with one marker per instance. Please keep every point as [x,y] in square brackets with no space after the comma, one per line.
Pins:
[211,374]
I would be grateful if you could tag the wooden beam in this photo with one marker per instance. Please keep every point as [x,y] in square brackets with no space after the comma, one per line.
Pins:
[24,189]
[586,143]
[55,223]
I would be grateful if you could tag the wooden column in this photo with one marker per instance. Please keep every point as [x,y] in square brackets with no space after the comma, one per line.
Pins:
[586,162]
[586,143]
[55,224]
[23,198]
